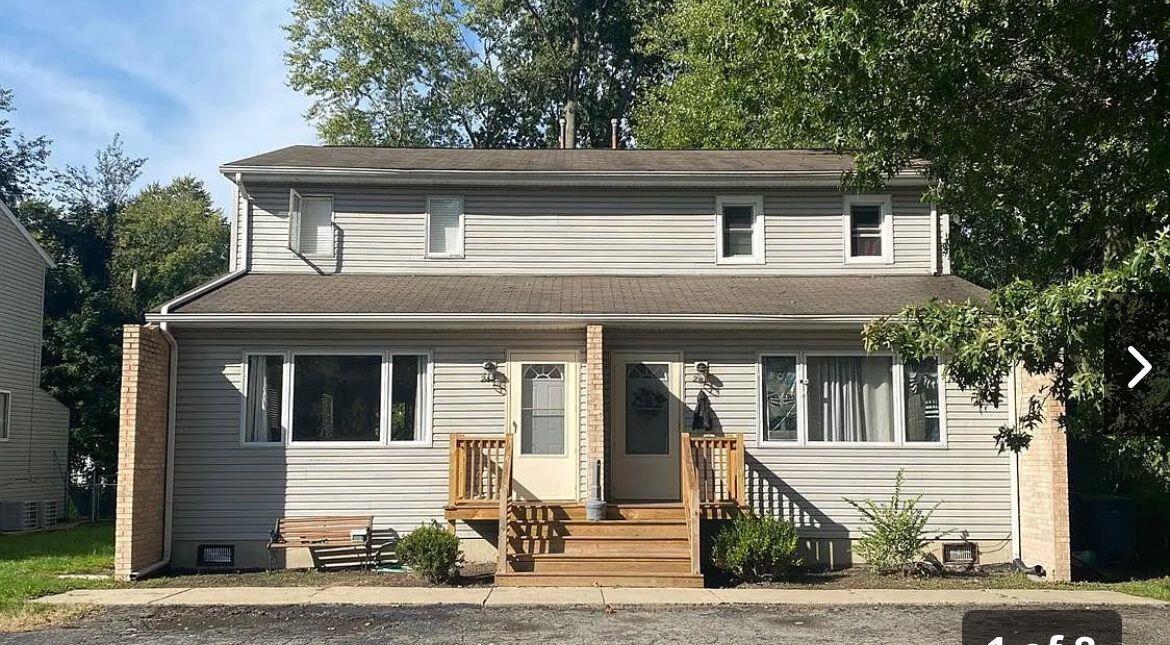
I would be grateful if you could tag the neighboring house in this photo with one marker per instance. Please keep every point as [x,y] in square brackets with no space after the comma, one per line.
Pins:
[34,427]
[403,327]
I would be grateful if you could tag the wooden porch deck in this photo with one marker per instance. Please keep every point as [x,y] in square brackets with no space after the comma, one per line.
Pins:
[550,543]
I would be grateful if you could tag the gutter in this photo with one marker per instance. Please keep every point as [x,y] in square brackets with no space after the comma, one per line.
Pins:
[172,406]
[430,318]
[694,179]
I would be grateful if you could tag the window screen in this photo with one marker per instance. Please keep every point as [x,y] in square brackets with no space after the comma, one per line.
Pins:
[317,225]
[865,230]
[443,232]
[738,231]
[850,398]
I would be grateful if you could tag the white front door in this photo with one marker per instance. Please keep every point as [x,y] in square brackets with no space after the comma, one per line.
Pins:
[647,408]
[543,400]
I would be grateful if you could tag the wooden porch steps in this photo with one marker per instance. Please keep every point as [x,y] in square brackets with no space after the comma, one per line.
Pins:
[638,545]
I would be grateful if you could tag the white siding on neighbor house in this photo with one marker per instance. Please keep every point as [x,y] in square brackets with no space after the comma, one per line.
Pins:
[225,491]
[968,478]
[33,460]
[382,230]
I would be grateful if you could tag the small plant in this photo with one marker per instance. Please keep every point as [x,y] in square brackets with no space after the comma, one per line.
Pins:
[756,548]
[895,538]
[431,551]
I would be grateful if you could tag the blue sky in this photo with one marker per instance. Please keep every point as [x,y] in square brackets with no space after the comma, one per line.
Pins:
[188,84]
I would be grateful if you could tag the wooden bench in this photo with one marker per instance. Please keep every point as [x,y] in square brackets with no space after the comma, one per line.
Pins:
[321,531]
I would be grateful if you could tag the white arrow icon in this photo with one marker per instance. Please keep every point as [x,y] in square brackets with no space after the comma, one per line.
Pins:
[1145,367]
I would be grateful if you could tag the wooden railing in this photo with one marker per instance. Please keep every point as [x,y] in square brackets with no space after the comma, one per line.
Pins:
[505,495]
[477,475]
[690,499]
[718,469]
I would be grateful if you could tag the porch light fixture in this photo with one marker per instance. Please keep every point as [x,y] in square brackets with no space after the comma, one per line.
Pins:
[702,372]
[491,373]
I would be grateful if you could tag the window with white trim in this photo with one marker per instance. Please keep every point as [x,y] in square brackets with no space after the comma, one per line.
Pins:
[444,227]
[5,414]
[739,231]
[311,224]
[264,398]
[339,397]
[868,229]
[850,398]
[921,400]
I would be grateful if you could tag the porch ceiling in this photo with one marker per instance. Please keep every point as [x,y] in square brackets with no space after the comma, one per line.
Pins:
[573,295]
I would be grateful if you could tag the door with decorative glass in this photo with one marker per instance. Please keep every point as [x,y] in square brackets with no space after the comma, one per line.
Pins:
[647,410]
[543,400]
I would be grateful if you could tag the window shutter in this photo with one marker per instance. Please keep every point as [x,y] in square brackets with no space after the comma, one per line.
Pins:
[444,214]
[295,204]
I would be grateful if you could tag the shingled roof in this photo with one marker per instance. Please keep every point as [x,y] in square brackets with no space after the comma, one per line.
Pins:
[575,295]
[546,160]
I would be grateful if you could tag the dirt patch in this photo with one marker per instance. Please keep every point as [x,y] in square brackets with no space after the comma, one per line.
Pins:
[30,617]
[470,575]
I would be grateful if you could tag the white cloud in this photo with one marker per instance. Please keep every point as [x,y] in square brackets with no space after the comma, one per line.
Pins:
[189,85]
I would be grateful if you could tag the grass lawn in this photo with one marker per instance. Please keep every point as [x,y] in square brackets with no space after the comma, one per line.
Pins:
[31,562]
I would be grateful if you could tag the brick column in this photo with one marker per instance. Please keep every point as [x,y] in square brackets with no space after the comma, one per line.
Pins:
[142,449]
[1043,485]
[595,387]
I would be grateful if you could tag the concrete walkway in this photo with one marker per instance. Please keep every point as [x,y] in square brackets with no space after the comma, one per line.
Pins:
[584,596]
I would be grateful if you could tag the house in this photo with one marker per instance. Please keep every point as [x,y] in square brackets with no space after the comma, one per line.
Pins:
[34,427]
[488,337]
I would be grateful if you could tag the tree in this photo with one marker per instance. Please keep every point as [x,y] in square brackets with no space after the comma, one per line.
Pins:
[174,238]
[99,232]
[481,73]
[22,160]
[1044,126]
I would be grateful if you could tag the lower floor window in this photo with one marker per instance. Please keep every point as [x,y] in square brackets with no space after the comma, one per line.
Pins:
[849,399]
[320,397]
[337,398]
[542,409]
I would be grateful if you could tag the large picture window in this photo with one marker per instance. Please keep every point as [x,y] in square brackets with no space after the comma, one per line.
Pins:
[814,398]
[318,397]
[337,398]
[850,398]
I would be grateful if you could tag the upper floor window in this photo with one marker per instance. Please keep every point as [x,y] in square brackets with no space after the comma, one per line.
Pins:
[310,224]
[868,229]
[740,229]
[444,227]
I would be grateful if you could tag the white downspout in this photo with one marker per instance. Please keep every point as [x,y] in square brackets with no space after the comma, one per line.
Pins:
[1017,546]
[172,406]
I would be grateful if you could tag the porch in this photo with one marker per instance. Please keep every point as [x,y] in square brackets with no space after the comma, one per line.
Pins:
[639,543]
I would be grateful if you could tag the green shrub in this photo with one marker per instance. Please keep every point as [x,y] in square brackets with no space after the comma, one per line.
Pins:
[894,538]
[432,551]
[756,548]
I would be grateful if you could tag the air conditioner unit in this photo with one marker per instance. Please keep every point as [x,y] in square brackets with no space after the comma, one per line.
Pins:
[51,512]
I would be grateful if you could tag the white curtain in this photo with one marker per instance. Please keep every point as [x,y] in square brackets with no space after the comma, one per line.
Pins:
[851,398]
[259,394]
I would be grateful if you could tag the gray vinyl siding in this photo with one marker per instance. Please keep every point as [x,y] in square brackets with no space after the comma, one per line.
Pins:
[33,460]
[225,491]
[382,230]
[968,478]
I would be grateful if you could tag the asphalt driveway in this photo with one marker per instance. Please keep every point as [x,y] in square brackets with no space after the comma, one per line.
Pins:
[426,624]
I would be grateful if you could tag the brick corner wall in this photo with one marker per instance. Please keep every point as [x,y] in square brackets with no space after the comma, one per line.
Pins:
[142,449]
[1043,485]
[595,387]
